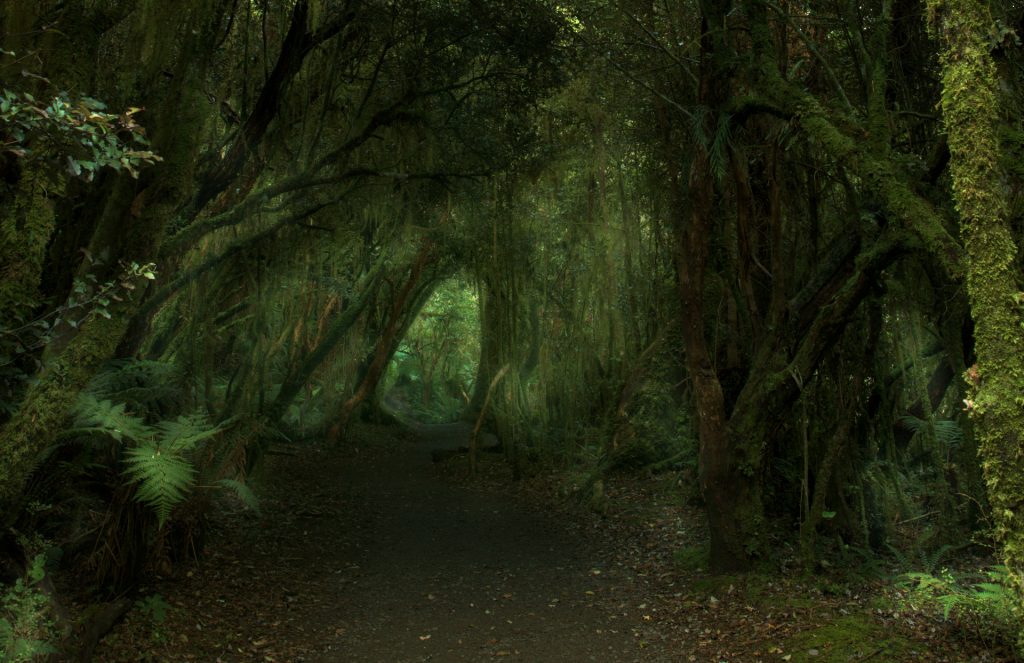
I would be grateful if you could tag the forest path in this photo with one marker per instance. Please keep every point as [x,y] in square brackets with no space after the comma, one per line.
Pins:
[372,555]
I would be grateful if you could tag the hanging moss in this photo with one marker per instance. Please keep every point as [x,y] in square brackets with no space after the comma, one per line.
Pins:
[970,105]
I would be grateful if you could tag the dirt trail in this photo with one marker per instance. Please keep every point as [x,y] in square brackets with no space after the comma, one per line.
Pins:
[372,556]
[450,574]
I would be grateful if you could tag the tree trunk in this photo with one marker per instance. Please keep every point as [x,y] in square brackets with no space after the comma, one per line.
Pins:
[971,106]
[161,189]
[383,349]
[337,331]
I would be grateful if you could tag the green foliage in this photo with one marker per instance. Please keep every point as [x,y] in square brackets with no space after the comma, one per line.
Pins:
[152,387]
[926,562]
[160,463]
[153,607]
[157,456]
[77,132]
[983,604]
[107,418]
[436,361]
[242,491]
[88,299]
[153,610]
[663,427]
[164,477]
[26,629]
[948,432]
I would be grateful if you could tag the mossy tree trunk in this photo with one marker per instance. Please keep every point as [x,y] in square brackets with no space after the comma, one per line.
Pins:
[146,206]
[971,106]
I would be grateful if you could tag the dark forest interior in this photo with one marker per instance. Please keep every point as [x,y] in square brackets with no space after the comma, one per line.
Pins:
[403,330]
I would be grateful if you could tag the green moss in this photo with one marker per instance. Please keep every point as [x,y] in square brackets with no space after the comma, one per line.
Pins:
[971,106]
[850,638]
[25,228]
[873,165]
[692,558]
[36,423]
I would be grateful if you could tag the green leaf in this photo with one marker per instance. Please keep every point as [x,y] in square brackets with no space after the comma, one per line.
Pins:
[243,492]
[93,104]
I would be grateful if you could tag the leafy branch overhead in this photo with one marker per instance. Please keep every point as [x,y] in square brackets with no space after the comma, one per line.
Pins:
[78,133]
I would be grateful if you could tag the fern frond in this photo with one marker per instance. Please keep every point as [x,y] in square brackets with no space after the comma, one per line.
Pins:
[243,492]
[94,415]
[185,432]
[947,431]
[902,560]
[150,387]
[164,476]
[930,562]
[697,125]
[717,152]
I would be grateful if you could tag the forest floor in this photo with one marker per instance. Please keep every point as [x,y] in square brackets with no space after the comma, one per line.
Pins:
[379,554]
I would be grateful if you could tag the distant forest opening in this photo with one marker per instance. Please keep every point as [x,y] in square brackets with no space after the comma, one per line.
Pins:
[434,369]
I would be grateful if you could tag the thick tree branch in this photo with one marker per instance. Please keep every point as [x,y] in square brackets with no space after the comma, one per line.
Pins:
[299,42]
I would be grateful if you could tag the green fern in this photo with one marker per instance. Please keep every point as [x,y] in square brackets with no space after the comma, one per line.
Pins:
[947,431]
[717,152]
[930,561]
[157,456]
[165,476]
[185,432]
[715,145]
[92,416]
[988,608]
[146,387]
[160,465]
[243,492]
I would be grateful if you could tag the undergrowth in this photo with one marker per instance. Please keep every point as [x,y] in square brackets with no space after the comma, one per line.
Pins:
[979,605]
[26,629]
